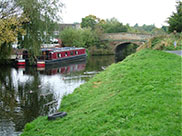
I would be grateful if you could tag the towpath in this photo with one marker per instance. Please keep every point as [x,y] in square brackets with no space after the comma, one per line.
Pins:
[179,52]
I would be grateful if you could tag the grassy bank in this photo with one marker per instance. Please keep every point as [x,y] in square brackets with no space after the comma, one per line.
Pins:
[140,96]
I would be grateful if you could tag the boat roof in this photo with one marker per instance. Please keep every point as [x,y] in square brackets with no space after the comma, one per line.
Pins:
[60,49]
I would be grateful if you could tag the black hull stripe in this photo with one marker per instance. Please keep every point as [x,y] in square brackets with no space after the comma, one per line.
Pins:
[70,58]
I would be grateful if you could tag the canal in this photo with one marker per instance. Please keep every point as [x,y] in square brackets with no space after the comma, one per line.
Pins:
[27,92]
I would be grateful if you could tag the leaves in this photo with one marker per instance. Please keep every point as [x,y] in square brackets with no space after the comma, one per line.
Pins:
[113,26]
[10,28]
[91,21]
[42,15]
[79,37]
[175,21]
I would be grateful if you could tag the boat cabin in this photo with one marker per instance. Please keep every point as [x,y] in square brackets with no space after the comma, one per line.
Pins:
[58,53]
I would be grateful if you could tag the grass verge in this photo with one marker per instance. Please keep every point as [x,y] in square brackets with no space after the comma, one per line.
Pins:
[140,96]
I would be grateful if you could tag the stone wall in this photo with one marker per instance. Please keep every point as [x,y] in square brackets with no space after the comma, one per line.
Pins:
[126,36]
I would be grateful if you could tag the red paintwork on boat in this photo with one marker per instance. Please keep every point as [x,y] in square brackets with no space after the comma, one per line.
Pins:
[64,54]
[52,55]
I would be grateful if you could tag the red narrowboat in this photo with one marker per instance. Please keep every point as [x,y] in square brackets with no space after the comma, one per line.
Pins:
[57,55]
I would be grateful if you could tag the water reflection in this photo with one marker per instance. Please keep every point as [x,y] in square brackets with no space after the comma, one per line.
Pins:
[26,93]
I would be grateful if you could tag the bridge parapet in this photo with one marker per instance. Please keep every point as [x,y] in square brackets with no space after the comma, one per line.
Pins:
[126,36]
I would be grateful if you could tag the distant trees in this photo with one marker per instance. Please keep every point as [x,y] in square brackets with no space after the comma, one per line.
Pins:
[175,21]
[93,28]
[109,26]
[144,28]
[91,21]
[113,26]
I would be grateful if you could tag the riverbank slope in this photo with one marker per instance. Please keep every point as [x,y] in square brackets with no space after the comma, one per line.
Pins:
[139,96]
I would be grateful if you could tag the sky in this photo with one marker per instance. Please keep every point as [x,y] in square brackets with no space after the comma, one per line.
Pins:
[126,11]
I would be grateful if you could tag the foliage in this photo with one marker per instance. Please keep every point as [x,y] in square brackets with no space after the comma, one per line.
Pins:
[144,28]
[175,21]
[165,28]
[91,21]
[90,37]
[165,42]
[113,26]
[79,37]
[42,15]
[139,96]
[9,29]
[10,26]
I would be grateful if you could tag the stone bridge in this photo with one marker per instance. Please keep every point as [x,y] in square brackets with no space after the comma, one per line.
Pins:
[123,44]
[122,38]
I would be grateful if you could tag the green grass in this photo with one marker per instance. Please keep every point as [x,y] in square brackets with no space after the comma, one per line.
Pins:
[140,96]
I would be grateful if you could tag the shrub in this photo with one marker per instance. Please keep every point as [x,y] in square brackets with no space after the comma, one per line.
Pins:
[79,37]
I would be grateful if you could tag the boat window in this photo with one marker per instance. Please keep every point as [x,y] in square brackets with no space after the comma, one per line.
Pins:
[76,52]
[59,55]
[66,54]
[71,53]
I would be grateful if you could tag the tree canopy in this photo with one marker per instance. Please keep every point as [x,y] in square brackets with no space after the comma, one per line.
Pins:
[79,37]
[35,19]
[175,20]
[91,21]
[11,21]
[42,16]
[113,26]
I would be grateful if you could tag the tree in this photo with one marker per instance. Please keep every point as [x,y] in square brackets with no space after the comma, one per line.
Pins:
[113,26]
[175,21]
[91,21]
[79,37]
[165,28]
[72,37]
[11,21]
[90,37]
[42,15]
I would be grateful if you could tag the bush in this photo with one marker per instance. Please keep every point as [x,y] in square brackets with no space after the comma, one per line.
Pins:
[79,37]
[165,42]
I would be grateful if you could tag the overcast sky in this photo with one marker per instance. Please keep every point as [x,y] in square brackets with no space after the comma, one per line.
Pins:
[126,11]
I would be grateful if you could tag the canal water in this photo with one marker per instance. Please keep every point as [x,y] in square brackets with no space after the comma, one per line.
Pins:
[27,92]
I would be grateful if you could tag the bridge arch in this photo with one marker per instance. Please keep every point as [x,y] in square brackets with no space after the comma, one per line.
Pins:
[124,49]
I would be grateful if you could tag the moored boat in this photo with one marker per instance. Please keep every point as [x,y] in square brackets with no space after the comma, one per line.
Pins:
[58,55]
[18,58]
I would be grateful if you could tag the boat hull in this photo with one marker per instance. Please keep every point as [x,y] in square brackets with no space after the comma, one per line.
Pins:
[67,59]
[61,60]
